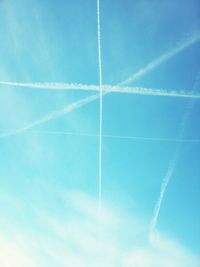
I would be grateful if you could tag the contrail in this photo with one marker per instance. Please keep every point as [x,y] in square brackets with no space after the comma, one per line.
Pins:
[54,86]
[106,88]
[100,103]
[53,115]
[171,167]
[110,136]
[84,101]
[194,39]
[164,185]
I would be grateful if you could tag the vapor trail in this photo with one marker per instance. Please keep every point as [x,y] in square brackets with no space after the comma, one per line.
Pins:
[155,63]
[100,103]
[110,136]
[163,189]
[53,86]
[134,77]
[53,115]
[106,88]
[171,166]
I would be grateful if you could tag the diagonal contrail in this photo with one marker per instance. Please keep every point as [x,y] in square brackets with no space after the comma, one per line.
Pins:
[106,88]
[171,167]
[155,63]
[149,67]
[53,115]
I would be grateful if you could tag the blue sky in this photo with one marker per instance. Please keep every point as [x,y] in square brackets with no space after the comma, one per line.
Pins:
[49,163]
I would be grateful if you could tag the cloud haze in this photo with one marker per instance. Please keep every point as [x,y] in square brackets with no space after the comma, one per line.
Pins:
[80,237]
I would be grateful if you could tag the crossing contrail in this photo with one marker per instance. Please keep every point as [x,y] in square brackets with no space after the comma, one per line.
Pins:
[172,166]
[106,88]
[77,104]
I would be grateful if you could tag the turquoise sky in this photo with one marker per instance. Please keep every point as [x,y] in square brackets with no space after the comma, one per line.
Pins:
[49,168]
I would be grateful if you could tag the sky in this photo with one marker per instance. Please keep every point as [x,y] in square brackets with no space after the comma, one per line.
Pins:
[49,133]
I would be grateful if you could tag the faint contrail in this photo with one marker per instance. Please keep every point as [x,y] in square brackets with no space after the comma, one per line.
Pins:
[134,77]
[53,115]
[100,103]
[106,88]
[111,136]
[171,167]
[164,185]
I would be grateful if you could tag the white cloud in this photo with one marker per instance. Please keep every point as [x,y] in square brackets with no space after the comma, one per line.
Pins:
[13,254]
[80,237]
[164,254]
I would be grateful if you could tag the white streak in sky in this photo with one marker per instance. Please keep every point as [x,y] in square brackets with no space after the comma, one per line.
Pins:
[164,186]
[86,100]
[53,115]
[171,167]
[106,88]
[100,102]
[111,136]
[155,63]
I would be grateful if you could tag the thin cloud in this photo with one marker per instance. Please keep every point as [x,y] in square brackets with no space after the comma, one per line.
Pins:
[77,236]
[15,254]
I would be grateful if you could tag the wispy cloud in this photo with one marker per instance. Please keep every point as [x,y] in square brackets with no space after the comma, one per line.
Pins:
[15,254]
[79,237]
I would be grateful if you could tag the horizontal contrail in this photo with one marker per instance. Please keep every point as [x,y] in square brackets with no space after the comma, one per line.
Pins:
[143,138]
[106,88]
[77,104]
[157,139]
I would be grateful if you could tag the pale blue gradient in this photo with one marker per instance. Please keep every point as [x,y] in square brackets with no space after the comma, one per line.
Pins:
[49,182]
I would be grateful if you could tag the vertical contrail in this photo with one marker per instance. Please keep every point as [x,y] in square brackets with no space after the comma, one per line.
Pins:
[100,102]
[172,166]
